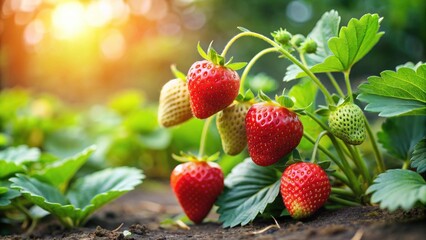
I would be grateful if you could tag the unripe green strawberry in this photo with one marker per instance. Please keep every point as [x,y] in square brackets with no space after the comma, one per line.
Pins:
[304,188]
[174,107]
[231,125]
[347,123]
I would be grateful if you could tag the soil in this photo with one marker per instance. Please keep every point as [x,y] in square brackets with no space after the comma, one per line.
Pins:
[141,212]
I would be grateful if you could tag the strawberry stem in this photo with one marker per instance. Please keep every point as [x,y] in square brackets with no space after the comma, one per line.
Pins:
[343,201]
[379,160]
[335,84]
[314,152]
[359,162]
[204,137]
[343,192]
[348,85]
[250,65]
[285,53]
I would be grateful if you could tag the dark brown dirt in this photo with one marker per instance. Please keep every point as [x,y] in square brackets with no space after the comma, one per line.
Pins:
[141,212]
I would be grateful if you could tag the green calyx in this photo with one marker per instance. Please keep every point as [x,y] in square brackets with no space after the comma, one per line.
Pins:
[282,37]
[282,100]
[189,157]
[178,74]
[248,96]
[217,59]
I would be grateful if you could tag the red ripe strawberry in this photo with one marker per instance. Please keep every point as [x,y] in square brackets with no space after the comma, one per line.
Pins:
[211,88]
[197,186]
[304,188]
[272,132]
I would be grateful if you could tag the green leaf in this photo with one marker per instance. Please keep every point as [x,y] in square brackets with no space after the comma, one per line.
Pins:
[326,28]
[9,168]
[20,154]
[95,190]
[399,135]
[353,43]
[41,194]
[396,93]
[242,29]
[249,190]
[418,159]
[236,65]
[85,196]
[177,73]
[7,194]
[398,188]
[60,173]
[409,65]
[202,53]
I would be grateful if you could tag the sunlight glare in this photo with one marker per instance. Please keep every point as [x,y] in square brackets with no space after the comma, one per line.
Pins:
[34,32]
[68,20]
[99,13]
[113,45]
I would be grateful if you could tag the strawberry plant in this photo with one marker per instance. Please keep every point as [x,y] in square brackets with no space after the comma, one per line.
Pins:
[35,184]
[314,143]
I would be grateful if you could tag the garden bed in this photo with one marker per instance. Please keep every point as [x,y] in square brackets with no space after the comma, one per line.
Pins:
[142,211]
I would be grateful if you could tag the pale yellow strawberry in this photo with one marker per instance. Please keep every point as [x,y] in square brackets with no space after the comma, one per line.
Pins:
[174,107]
[231,125]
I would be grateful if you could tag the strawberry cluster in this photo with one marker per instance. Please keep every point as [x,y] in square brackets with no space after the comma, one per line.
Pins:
[270,130]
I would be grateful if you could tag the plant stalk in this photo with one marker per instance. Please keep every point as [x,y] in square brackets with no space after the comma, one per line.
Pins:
[204,137]
[359,162]
[314,152]
[286,54]
[343,192]
[348,85]
[335,84]
[343,201]
[378,156]
[251,63]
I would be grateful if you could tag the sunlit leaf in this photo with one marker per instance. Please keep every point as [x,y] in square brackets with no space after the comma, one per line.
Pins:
[95,190]
[418,159]
[60,172]
[249,190]
[396,93]
[353,43]
[398,188]
[85,196]
[399,135]
[9,168]
[20,154]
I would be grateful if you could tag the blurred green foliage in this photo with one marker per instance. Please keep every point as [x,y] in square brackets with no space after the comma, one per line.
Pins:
[125,130]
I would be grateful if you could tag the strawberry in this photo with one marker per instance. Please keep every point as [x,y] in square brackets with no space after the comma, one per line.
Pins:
[346,122]
[174,107]
[304,188]
[197,185]
[230,123]
[273,131]
[213,84]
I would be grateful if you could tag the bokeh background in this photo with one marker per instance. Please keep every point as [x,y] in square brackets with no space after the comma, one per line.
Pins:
[80,72]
